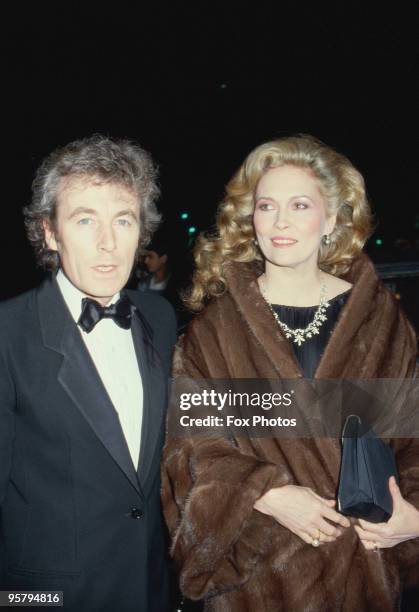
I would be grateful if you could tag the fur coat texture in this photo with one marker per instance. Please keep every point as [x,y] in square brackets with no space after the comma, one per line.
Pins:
[233,557]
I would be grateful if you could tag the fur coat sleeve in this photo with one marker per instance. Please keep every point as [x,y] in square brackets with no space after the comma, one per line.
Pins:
[406,451]
[209,489]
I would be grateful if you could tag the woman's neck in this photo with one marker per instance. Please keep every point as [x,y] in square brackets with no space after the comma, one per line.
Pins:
[292,287]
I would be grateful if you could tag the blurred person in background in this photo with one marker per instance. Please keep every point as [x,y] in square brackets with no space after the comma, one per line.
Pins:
[165,269]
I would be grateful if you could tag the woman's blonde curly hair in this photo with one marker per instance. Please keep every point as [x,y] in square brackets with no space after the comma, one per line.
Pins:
[233,241]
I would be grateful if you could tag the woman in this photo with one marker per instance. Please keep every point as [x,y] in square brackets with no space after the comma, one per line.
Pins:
[290,294]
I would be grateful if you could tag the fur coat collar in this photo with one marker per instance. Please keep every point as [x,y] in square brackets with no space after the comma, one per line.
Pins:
[372,338]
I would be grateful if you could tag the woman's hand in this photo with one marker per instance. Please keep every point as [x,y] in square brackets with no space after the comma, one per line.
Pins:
[304,513]
[403,525]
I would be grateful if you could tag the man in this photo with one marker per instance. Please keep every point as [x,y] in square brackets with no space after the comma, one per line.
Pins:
[156,263]
[83,377]
[163,277]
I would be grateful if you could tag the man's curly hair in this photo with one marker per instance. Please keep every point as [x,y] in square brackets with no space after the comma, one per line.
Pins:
[105,161]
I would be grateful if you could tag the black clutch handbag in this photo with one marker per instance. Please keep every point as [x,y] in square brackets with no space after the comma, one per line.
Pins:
[367,464]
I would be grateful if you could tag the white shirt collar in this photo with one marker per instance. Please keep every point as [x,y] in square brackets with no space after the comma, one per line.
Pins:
[73,296]
[160,285]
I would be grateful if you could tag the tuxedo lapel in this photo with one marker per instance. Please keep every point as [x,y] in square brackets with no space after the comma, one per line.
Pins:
[154,391]
[79,377]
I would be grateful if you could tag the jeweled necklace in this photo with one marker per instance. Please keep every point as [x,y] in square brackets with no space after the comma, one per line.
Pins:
[301,335]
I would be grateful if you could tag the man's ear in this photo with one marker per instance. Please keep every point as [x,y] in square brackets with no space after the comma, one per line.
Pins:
[163,259]
[49,235]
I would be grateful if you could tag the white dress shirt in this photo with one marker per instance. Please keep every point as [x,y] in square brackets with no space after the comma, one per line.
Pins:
[113,353]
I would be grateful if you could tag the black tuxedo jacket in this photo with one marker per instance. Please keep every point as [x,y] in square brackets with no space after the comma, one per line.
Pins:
[75,515]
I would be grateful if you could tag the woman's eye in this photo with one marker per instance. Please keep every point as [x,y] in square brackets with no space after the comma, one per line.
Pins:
[301,205]
[265,206]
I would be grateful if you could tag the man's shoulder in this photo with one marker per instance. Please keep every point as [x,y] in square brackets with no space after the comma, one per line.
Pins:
[154,306]
[23,313]
[18,320]
[159,315]
[13,309]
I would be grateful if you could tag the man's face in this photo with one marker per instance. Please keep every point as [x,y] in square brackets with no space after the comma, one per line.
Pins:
[154,262]
[96,235]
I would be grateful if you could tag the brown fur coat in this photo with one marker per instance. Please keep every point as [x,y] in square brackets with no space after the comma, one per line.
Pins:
[234,557]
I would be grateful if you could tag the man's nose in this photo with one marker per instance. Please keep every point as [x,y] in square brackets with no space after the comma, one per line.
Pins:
[107,241]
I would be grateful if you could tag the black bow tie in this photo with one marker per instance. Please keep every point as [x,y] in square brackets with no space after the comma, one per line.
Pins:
[92,312]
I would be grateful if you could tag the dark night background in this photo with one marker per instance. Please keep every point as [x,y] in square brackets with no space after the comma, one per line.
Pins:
[199,84]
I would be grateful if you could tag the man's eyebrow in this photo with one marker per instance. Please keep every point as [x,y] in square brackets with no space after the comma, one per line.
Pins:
[91,211]
[82,209]
[127,211]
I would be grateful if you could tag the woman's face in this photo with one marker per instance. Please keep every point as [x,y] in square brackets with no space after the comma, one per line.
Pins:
[290,217]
